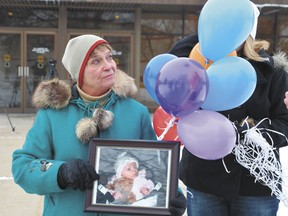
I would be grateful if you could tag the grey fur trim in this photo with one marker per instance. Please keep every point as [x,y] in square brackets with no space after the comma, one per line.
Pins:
[86,128]
[281,61]
[52,93]
[104,118]
[124,85]
[57,93]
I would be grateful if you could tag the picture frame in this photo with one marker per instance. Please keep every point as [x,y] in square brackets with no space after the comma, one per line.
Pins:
[156,161]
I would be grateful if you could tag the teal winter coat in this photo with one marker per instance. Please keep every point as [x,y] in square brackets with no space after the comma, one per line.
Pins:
[52,140]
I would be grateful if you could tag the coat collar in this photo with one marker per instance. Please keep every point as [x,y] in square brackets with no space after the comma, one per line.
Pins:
[57,93]
[280,61]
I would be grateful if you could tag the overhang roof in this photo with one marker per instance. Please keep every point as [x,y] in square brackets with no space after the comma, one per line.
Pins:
[147,6]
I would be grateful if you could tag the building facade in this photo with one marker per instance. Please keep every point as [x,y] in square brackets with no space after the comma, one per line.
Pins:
[34,33]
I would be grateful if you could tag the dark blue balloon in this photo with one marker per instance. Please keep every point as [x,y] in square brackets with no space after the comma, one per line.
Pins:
[151,71]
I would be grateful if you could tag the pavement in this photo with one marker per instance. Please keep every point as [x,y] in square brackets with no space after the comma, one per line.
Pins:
[14,200]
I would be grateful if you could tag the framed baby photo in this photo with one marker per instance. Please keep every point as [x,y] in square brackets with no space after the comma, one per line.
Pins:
[136,176]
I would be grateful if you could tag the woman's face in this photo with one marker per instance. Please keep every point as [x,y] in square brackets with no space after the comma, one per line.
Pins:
[99,73]
[130,170]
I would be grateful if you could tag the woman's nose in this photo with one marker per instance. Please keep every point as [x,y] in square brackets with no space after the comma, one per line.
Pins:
[107,65]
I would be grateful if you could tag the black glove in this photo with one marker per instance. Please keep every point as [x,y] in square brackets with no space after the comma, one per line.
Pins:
[177,206]
[76,174]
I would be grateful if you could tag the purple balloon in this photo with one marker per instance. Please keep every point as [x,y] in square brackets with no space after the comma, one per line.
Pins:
[181,86]
[207,134]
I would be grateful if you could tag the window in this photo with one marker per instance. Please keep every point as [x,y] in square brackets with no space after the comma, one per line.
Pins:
[29,17]
[159,33]
[100,19]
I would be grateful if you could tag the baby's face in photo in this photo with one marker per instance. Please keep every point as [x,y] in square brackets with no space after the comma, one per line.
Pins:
[130,170]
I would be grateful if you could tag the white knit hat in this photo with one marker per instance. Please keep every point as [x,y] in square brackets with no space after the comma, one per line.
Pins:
[255,23]
[121,161]
[77,53]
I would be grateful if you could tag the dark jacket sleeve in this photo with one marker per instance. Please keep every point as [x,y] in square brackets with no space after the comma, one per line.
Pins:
[274,107]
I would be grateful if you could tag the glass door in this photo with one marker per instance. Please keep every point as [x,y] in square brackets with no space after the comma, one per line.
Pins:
[40,63]
[10,81]
[26,60]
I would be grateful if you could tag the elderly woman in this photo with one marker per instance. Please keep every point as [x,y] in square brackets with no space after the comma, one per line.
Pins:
[53,160]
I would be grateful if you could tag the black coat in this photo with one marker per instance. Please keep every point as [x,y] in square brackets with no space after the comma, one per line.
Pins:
[210,176]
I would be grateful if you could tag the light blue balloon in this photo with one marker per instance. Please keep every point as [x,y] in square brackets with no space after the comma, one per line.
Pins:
[223,26]
[232,81]
[151,71]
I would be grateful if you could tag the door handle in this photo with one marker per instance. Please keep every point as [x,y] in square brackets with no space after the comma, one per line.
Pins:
[26,71]
[20,71]
[23,71]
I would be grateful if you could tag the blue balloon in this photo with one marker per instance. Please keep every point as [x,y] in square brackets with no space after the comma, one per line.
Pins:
[151,71]
[181,86]
[223,26]
[232,81]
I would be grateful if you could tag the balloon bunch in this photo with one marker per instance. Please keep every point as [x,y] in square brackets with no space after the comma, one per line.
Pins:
[179,86]
[190,90]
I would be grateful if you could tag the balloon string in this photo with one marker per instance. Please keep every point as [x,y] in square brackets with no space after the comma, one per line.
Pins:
[206,60]
[266,129]
[206,63]
[176,137]
[223,162]
[257,155]
[169,125]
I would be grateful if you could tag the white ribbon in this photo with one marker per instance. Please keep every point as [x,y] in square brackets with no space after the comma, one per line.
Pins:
[257,155]
[168,126]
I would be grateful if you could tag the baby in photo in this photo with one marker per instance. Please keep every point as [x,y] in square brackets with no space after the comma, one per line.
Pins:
[129,184]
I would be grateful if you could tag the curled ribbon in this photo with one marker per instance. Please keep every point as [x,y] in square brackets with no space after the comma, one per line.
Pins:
[258,156]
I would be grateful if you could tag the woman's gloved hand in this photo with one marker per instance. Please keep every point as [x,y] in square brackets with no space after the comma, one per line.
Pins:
[76,174]
[177,206]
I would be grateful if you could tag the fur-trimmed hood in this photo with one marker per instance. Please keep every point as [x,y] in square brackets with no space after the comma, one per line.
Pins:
[56,94]
[280,61]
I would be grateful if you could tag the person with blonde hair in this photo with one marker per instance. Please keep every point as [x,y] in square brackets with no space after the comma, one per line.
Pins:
[218,189]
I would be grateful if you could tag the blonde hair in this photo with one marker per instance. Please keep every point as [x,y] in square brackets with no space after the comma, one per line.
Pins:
[252,47]
[100,46]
